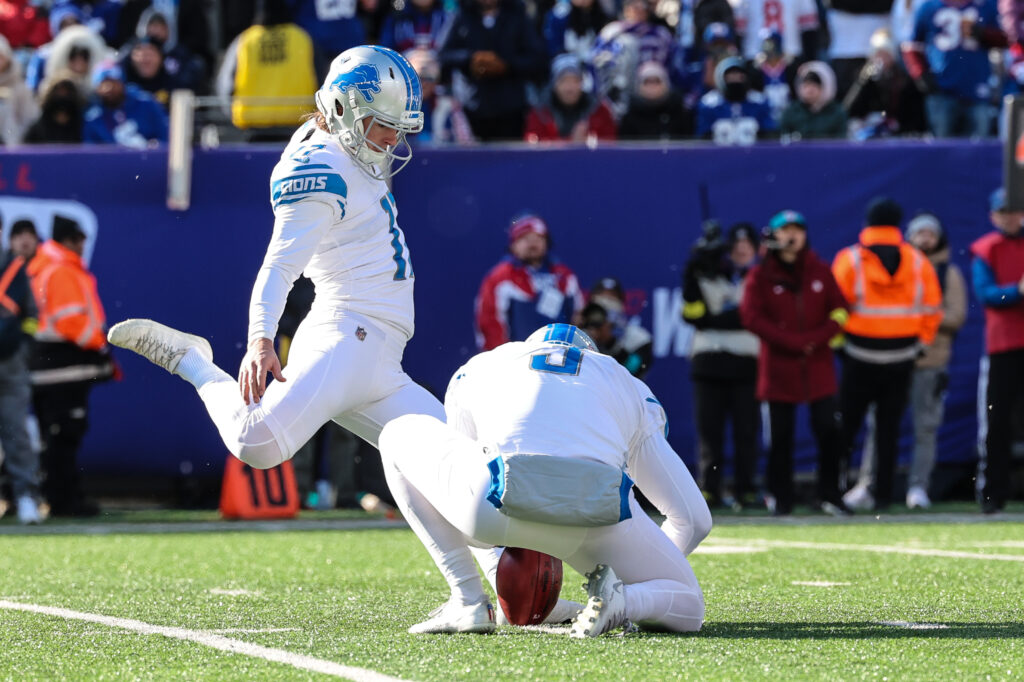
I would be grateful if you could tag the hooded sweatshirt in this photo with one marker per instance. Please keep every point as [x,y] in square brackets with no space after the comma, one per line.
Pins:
[826,119]
[17,107]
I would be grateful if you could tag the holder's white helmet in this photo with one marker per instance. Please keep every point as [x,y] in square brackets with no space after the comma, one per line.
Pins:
[367,86]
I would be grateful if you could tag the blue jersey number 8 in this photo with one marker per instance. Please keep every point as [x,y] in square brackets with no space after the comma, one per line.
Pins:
[571,361]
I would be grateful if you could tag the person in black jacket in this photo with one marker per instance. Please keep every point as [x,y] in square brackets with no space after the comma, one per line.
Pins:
[723,359]
[491,53]
[17,313]
[656,110]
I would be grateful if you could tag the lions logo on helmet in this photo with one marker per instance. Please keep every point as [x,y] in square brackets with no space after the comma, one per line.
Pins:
[562,334]
[364,78]
[370,86]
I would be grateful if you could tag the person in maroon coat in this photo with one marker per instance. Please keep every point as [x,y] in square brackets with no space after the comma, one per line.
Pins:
[794,305]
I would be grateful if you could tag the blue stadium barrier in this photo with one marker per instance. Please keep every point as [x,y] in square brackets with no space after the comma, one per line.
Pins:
[632,212]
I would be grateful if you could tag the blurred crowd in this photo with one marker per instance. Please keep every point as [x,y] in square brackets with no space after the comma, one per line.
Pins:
[770,320]
[730,71]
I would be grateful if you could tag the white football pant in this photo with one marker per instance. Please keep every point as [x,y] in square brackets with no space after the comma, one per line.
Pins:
[440,480]
[341,366]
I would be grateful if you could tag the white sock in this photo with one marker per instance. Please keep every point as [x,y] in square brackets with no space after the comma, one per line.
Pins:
[672,604]
[445,543]
[198,371]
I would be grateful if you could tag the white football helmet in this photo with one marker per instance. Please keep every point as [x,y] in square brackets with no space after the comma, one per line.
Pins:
[562,334]
[367,86]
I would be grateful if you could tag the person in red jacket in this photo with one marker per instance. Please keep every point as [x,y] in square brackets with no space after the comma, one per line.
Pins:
[792,302]
[567,112]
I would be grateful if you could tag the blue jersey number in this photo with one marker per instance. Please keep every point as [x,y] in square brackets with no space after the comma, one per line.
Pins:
[403,269]
[571,361]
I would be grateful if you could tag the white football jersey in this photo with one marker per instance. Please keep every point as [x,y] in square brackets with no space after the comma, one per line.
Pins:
[789,17]
[361,261]
[543,398]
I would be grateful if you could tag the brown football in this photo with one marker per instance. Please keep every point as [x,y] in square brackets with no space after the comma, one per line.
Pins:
[528,585]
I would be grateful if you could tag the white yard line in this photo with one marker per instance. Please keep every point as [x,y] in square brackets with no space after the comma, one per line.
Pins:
[251,631]
[727,549]
[818,583]
[881,549]
[234,646]
[906,625]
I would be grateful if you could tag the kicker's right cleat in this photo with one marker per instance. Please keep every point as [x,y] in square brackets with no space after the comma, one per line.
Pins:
[157,342]
[453,617]
[606,605]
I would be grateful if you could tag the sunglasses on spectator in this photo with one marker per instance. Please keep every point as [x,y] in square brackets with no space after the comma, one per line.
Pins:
[79,52]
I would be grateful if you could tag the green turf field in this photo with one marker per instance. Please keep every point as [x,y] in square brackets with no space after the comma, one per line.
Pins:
[785,601]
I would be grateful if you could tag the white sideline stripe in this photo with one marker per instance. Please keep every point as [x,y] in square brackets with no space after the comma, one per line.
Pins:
[251,631]
[727,549]
[885,549]
[214,641]
[818,583]
[914,626]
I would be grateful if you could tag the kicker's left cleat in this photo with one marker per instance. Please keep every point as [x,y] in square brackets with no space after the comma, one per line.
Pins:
[606,605]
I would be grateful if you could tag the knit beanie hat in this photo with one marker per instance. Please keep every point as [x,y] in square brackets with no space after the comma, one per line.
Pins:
[883,211]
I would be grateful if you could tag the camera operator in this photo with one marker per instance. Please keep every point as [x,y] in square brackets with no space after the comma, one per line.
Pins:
[605,319]
[792,302]
[723,358]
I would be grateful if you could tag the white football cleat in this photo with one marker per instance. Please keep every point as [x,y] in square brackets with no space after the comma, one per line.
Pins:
[453,617]
[157,342]
[606,606]
[859,497]
[28,510]
[917,497]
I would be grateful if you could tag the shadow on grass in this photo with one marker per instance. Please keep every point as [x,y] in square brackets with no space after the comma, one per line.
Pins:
[863,630]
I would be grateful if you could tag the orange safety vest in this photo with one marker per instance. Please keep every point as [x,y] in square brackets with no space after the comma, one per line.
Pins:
[69,304]
[907,303]
[273,61]
[5,282]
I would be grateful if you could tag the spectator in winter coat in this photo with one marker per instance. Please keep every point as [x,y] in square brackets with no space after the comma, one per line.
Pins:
[18,108]
[815,114]
[931,372]
[526,290]
[183,68]
[573,26]
[792,303]
[75,51]
[656,110]
[444,121]
[732,114]
[624,45]
[566,112]
[492,52]
[62,116]
[419,24]
[883,100]
[997,273]
[122,114]
[23,24]
[143,67]
[954,73]
[723,360]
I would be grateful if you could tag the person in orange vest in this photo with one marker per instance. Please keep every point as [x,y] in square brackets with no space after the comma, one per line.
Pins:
[895,310]
[70,355]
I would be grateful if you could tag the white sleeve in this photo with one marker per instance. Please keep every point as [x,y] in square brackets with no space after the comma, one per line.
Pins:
[664,479]
[298,229]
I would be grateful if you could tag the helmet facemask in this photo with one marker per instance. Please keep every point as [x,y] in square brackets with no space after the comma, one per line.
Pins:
[351,120]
